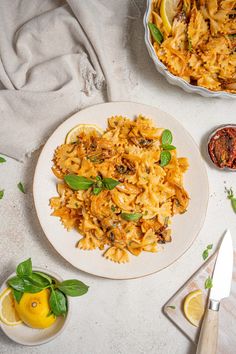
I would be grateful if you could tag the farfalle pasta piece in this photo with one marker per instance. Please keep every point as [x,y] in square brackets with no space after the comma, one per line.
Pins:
[118,255]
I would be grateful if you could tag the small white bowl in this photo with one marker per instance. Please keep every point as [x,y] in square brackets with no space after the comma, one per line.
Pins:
[172,79]
[25,335]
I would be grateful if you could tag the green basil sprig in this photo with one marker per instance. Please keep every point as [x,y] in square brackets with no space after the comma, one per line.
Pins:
[231,197]
[156,33]
[166,140]
[1,193]
[82,183]
[29,281]
[131,217]
[2,159]
[21,187]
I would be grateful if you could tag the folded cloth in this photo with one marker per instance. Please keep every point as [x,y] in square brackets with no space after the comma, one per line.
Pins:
[53,55]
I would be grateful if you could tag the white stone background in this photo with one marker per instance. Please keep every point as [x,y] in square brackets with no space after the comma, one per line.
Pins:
[120,317]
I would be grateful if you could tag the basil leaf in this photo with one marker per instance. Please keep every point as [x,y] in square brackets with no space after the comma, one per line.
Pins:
[2,159]
[113,208]
[168,147]
[1,194]
[78,182]
[96,190]
[73,287]
[21,187]
[58,303]
[31,287]
[166,137]
[24,268]
[208,283]
[17,295]
[165,158]
[233,203]
[205,254]
[209,247]
[131,217]
[16,283]
[110,183]
[49,279]
[156,33]
[38,280]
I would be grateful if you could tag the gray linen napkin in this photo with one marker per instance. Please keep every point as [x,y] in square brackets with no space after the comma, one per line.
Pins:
[53,55]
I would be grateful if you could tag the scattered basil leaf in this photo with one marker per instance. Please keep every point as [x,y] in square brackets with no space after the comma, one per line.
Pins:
[96,190]
[232,35]
[131,217]
[2,159]
[165,158]
[47,277]
[231,197]
[209,247]
[171,307]
[24,268]
[208,283]
[98,178]
[190,45]
[17,295]
[73,287]
[205,254]
[1,194]
[156,33]
[166,137]
[168,147]
[233,203]
[110,183]
[78,182]
[57,302]
[113,208]
[21,187]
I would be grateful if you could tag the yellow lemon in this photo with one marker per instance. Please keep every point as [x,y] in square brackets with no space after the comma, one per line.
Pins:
[8,314]
[168,10]
[34,309]
[72,136]
[193,307]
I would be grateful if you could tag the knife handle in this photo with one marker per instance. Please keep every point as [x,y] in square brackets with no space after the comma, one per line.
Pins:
[207,343]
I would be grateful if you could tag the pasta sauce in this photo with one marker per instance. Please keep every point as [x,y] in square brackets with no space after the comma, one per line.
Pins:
[222,147]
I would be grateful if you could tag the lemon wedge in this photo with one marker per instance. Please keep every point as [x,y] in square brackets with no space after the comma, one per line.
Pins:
[72,136]
[8,314]
[193,307]
[168,10]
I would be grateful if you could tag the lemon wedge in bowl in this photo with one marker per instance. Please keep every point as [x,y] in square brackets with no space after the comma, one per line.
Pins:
[193,307]
[72,136]
[168,11]
[8,314]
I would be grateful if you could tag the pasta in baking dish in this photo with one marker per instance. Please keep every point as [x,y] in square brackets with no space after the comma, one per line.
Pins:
[120,188]
[200,46]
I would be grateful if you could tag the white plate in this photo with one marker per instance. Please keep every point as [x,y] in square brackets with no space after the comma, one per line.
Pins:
[185,227]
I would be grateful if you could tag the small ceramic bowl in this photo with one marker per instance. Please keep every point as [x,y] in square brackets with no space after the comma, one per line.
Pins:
[25,335]
[209,140]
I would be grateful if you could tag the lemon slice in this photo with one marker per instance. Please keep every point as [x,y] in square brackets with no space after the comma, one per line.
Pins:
[72,136]
[168,10]
[193,307]
[8,314]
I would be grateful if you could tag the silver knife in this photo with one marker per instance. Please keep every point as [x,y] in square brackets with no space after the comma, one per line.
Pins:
[221,281]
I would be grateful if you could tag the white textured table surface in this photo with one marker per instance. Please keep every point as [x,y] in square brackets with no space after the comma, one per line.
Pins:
[119,317]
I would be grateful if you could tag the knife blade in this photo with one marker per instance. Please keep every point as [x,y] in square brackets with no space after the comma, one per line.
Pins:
[223,269]
[221,285]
